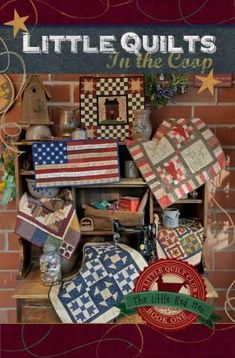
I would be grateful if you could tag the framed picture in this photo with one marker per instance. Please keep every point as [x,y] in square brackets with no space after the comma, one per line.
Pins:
[108,104]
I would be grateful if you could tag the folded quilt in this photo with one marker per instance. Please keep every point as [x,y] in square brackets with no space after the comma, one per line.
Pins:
[39,219]
[75,162]
[183,155]
[184,242]
[107,274]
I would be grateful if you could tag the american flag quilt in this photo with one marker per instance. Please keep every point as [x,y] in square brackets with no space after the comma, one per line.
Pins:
[75,162]
[183,155]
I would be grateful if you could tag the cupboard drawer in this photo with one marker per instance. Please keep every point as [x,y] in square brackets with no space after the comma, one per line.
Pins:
[36,312]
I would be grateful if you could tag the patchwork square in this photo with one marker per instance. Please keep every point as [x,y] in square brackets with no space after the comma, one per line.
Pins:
[184,243]
[180,158]
[107,274]
[39,219]
[108,104]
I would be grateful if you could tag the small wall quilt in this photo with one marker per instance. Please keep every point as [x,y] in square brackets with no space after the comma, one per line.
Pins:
[76,162]
[107,274]
[37,220]
[183,155]
[108,104]
[184,243]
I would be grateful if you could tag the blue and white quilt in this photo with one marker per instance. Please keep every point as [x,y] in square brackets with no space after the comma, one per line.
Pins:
[107,274]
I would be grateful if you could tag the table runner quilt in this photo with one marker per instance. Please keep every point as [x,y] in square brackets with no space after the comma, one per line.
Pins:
[75,162]
[39,219]
[183,155]
[184,242]
[108,272]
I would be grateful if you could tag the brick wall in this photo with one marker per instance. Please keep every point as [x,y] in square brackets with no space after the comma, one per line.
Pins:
[218,112]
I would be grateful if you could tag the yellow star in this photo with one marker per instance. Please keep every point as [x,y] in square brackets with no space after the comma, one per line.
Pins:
[18,23]
[208,82]
[88,86]
[136,85]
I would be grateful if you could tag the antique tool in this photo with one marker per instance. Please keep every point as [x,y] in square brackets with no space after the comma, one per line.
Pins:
[146,237]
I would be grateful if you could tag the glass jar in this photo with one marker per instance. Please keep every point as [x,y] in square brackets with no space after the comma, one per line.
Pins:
[50,265]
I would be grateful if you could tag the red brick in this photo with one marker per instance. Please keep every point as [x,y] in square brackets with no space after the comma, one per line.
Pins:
[14,114]
[9,260]
[2,241]
[222,297]
[216,114]
[44,76]
[13,241]
[16,77]
[223,316]
[59,93]
[208,259]
[225,199]
[220,239]
[12,317]
[7,220]
[221,279]
[159,114]
[228,179]
[6,299]
[192,96]
[76,94]
[226,135]
[3,316]
[8,279]
[220,221]
[17,86]
[65,77]
[230,155]
[225,261]
[11,205]
[226,94]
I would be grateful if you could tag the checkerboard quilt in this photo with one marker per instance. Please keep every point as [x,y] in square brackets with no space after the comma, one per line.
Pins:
[183,155]
[107,274]
[184,243]
[92,88]
[38,220]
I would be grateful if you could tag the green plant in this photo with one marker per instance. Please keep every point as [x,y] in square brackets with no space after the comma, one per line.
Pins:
[7,183]
[161,88]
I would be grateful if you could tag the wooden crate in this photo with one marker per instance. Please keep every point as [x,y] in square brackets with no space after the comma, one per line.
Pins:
[103,218]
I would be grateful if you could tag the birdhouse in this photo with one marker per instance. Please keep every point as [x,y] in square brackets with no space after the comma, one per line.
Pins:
[34,102]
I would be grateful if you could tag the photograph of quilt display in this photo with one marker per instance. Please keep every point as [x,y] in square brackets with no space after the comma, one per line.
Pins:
[183,155]
[107,274]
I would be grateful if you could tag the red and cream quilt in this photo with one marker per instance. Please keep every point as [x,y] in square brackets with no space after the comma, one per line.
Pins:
[183,155]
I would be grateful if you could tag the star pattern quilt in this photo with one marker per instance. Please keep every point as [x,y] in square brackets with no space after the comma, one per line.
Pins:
[183,155]
[108,272]
[184,242]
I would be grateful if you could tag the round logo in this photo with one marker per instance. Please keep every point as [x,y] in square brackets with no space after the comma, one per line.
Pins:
[170,275]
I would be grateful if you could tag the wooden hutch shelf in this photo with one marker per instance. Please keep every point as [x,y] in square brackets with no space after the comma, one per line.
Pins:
[33,305]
